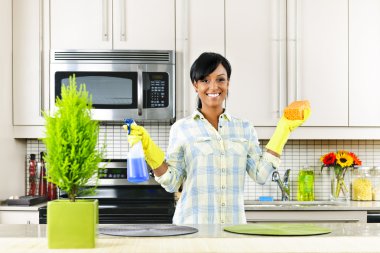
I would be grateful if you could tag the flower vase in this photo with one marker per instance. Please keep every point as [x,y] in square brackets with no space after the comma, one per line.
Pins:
[339,188]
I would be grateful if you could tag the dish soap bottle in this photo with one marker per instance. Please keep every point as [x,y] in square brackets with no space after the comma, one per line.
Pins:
[305,185]
[137,170]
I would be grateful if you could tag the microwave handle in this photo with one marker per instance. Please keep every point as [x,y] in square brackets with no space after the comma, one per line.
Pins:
[139,90]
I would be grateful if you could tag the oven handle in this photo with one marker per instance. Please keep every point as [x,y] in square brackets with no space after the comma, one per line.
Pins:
[139,89]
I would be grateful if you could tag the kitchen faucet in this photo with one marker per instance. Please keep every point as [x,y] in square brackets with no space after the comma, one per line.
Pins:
[283,184]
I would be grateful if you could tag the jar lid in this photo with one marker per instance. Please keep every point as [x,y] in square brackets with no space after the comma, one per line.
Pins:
[363,168]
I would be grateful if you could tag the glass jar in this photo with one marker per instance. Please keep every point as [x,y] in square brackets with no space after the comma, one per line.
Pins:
[376,183]
[361,184]
[306,185]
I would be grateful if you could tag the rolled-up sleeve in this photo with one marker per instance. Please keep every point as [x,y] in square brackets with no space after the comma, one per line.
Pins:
[172,179]
[259,165]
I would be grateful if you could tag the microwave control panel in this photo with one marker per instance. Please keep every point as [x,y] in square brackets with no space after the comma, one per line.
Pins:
[156,90]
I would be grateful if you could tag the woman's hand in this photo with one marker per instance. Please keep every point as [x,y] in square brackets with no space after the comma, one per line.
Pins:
[284,128]
[154,156]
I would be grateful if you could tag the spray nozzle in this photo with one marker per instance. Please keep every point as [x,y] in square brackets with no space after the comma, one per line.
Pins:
[129,122]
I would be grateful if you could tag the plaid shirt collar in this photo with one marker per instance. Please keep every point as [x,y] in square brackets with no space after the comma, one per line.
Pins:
[198,115]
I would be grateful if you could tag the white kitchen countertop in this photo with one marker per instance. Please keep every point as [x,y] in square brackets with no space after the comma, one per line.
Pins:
[345,237]
[5,207]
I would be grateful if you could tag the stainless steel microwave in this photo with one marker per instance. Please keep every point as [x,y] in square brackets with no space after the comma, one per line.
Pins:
[122,83]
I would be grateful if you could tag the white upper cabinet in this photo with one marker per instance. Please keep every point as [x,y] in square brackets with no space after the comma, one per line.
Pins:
[255,47]
[364,62]
[199,28]
[283,51]
[144,24]
[30,91]
[113,24]
[81,24]
[318,46]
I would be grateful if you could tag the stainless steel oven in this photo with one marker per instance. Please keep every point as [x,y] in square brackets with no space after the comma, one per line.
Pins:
[122,83]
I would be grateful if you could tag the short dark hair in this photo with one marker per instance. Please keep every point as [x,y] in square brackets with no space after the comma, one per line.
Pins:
[206,63]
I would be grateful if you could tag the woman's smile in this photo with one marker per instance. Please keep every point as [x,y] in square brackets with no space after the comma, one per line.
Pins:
[213,94]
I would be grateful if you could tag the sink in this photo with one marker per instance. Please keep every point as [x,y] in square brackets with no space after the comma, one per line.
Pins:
[293,203]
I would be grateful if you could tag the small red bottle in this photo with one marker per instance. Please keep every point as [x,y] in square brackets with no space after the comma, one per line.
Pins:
[51,191]
[32,175]
[42,186]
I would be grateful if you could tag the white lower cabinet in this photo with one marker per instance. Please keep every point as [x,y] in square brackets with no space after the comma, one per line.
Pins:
[19,217]
[306,216]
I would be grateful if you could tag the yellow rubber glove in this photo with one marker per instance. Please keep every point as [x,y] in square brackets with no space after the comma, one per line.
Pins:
[154,156]
[283,130]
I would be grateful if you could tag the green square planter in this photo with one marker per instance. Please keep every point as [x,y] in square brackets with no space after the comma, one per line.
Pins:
[72,224]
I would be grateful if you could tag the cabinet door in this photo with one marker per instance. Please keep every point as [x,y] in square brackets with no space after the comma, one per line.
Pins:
[144,24]
[19,217]
[364,62]
[28,85]
[195,36]
[318,59]
[255,40]
[81,24]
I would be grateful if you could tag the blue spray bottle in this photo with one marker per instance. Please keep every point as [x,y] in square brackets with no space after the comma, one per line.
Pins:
[137,170]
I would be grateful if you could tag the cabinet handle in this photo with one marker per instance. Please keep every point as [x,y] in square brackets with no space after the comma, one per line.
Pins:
[105,34]
[139,90]
[296,50]
[123,15]
[185,56]
[279,80]
[281,54]
[292,61]
[41,57]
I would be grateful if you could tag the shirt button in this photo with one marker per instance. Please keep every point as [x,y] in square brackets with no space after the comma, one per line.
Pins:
[223,204]
[222,221]
[219,139]
[223,187]
[223,170]
[222,153]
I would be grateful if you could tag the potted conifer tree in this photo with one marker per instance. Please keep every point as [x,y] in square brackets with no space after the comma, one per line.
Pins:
[72,159]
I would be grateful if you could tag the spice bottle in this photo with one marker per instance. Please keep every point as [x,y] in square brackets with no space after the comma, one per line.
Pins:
[42,186]
[361,184]
[32,175]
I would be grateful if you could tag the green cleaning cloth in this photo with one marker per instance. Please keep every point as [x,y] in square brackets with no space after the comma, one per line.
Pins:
[278,229]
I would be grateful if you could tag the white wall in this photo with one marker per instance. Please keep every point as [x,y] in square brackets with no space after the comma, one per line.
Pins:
[12,152]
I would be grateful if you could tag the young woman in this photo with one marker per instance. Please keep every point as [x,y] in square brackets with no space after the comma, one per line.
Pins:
[211,151]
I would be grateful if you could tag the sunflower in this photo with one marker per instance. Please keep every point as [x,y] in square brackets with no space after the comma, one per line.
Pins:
[344,159]
[355,158]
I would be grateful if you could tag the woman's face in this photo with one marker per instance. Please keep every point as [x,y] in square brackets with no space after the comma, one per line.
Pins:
[212,90]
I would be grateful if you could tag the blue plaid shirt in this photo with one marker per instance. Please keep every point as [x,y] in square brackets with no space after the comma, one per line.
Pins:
[211,165]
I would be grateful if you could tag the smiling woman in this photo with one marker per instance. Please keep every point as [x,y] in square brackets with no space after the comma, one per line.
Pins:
[210,152]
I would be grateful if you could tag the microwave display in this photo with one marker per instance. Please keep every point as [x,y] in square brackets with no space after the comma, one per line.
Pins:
[156,93]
